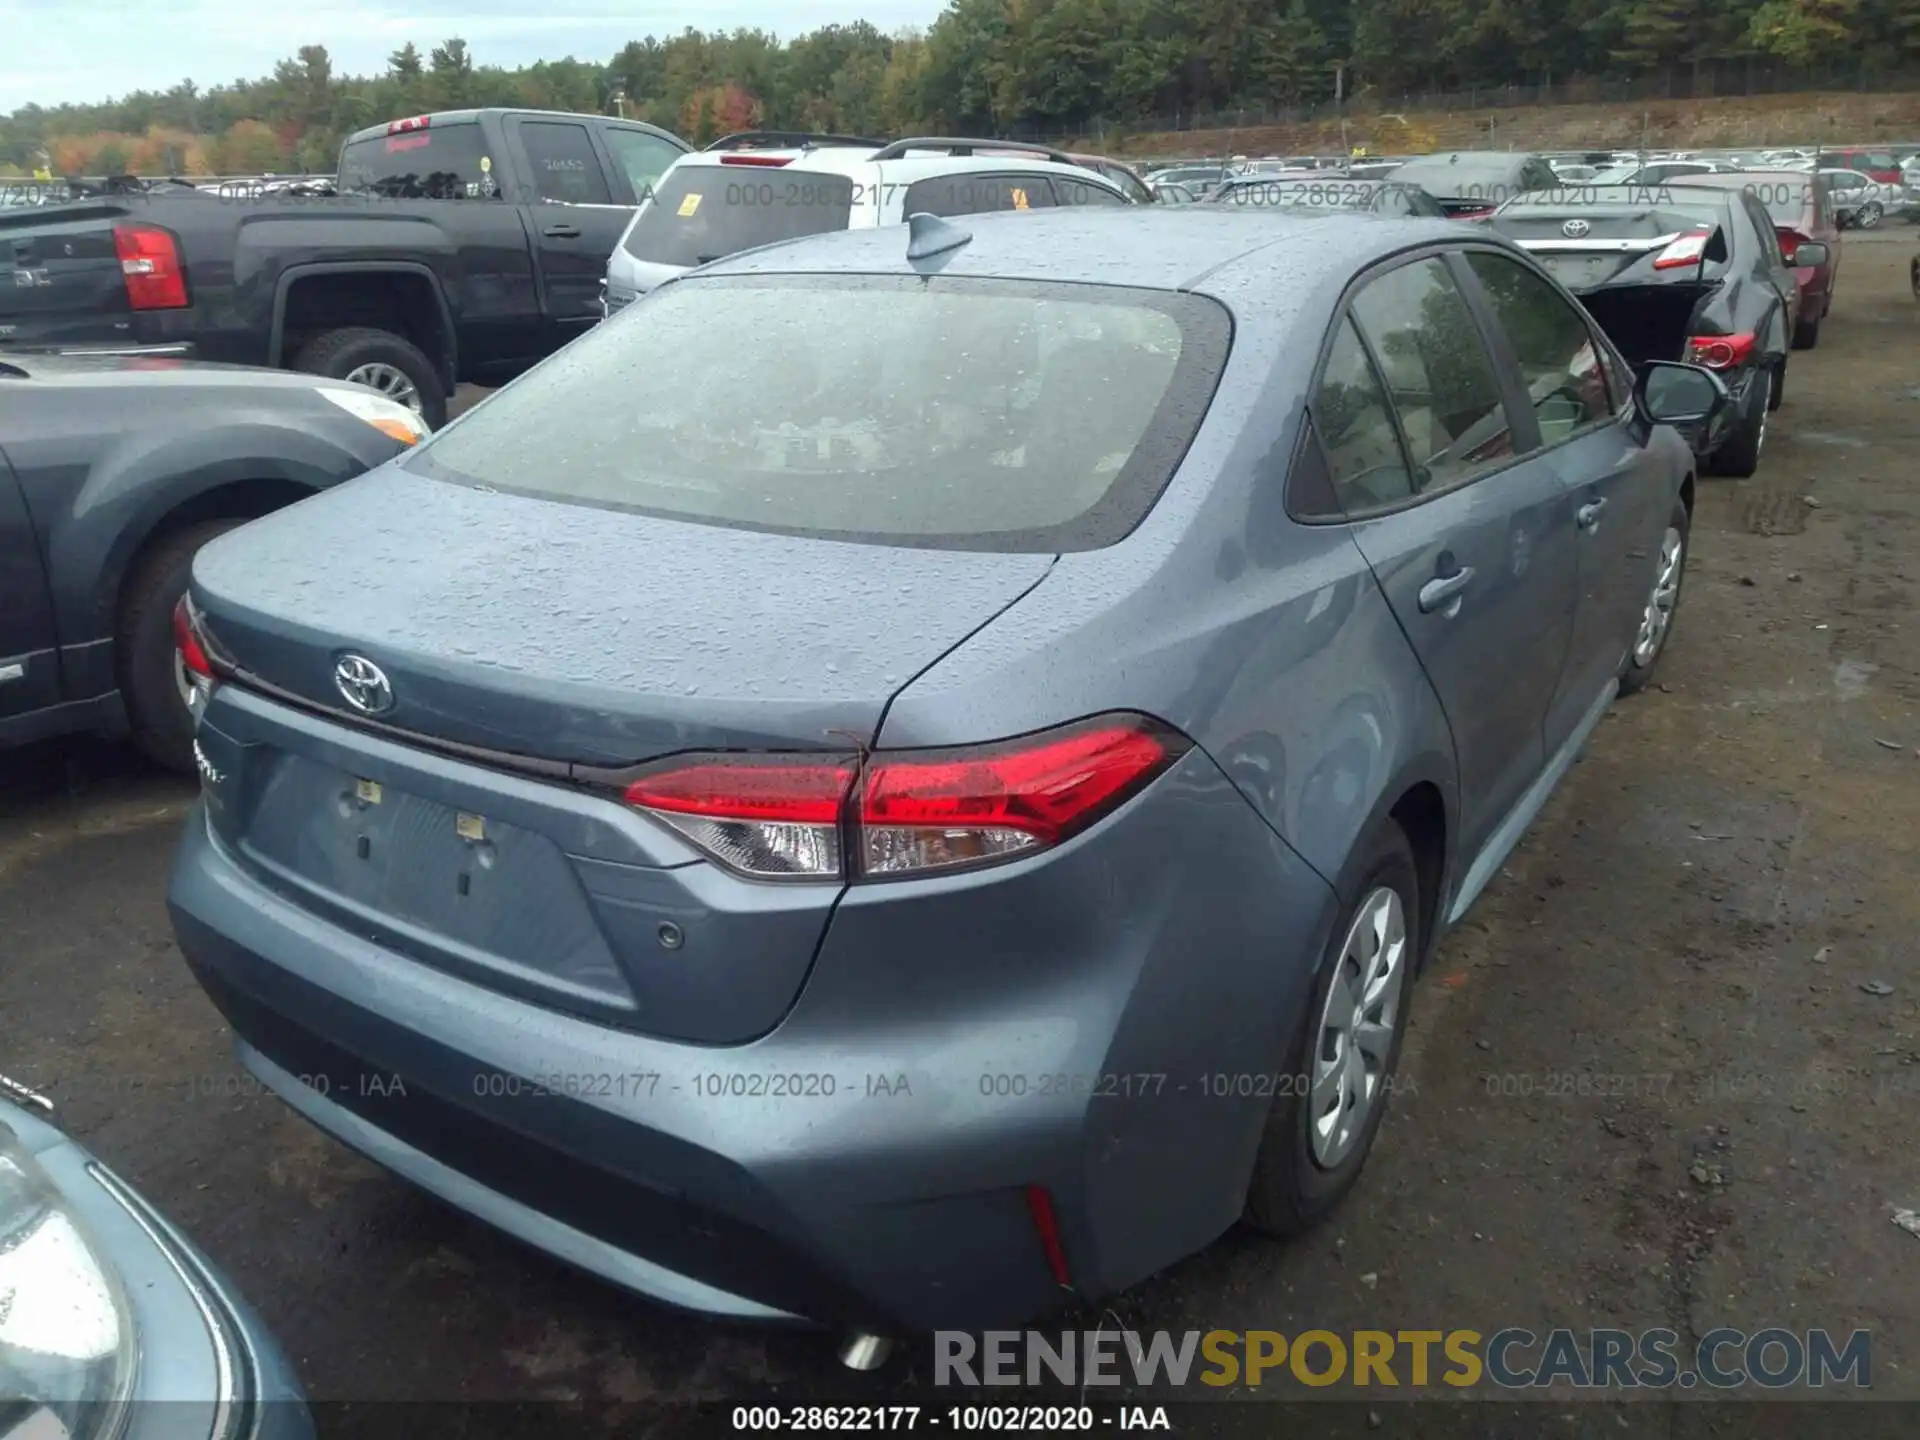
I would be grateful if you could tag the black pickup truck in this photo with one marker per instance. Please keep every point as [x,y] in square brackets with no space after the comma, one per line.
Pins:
[461,246]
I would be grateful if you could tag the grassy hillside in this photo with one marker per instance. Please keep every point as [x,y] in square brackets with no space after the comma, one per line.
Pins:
[1832,118]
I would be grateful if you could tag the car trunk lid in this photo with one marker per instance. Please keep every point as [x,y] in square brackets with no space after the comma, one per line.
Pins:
[530,645]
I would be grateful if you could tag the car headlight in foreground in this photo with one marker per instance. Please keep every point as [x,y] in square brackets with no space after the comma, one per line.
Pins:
[67,1356]
[389,417]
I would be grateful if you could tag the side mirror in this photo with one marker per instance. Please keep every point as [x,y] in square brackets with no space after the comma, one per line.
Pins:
[1811,252]
[1668,392]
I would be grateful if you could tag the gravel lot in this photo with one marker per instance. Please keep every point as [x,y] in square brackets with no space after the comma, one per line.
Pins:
[1705,923]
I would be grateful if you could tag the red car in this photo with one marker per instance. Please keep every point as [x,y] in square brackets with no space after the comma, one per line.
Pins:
[1801,210]
[1880,164]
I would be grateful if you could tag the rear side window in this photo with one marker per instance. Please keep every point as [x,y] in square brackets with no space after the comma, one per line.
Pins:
[1437,372]
[945,412]
[442,162]
[1083,192]
[642,156]
[1559,363]
[976,194]
[563,163]
[1355,425]
[701,213]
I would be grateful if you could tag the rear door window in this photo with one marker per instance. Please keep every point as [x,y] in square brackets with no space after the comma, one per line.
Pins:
[565,168]
[701,213]
[1070,191]
[441,162]
[975,194]
[1442,382]
[1559,362]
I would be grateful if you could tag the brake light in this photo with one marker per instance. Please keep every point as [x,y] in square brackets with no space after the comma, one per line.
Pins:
[190,641]
[768,161]
[415,122]
[784,816]
[1721,352]
[150,267]
[1790,241]
[1687,250]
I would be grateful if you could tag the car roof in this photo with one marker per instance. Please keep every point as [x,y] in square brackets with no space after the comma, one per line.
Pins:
[1737,179]
[1187,247]
[905,169]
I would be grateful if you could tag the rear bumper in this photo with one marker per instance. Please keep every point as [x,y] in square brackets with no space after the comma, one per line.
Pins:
[957,1042]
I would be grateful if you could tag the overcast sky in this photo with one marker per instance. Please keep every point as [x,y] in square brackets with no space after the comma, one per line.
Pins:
[53,51]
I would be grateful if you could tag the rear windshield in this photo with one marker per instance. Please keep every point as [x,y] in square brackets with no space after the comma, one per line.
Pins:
[447,162]
[944,412]
[1787,199]
[1624,215]
[701,213]
[1474,179]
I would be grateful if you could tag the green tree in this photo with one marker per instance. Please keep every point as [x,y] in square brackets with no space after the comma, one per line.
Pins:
[450,79]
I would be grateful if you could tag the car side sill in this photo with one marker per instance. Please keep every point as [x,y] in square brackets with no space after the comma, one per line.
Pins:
[1500,844]
[523,1223]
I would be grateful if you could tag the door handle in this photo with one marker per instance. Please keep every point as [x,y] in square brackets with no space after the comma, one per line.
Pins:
[1588,515]
[1444,590]
[562,232]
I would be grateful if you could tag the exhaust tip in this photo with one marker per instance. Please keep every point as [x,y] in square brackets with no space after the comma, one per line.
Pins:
[862,1351]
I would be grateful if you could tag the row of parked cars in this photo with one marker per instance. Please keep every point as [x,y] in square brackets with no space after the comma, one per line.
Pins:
[901,778]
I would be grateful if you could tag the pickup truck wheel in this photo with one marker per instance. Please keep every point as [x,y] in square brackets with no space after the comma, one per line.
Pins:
[150,681]
[381,360]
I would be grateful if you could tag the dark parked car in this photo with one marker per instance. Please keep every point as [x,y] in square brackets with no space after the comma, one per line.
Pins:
[1380,197]
[1801,210]
[1680,273]
[1471,184]
[113,1326]
[113,472]
[463,246]
[822,827]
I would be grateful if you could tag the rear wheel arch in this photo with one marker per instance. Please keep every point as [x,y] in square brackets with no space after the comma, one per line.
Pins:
[1421,814]
[401,298]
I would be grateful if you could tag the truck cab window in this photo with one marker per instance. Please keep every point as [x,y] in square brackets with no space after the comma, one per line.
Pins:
[564,167]
[440,163]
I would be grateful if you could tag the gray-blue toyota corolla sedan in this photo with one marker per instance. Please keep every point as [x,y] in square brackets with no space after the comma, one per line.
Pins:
[908,776]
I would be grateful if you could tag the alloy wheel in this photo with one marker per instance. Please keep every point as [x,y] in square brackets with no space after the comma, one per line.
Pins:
[389,380]
[1658,619]
[1354,1040]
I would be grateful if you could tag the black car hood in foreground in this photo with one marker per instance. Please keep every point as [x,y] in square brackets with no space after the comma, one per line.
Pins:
[585,635]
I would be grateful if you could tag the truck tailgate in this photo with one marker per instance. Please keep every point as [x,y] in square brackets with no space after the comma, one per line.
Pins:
[60,276]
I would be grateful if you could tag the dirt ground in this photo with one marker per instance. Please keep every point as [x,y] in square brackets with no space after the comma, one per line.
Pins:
[1714,923]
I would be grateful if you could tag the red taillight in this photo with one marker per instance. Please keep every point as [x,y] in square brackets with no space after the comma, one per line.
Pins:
[1047,1227]
[1720,352]
[186,639]
[783,816]
[959,807]
[1687,250]
[769,815]
[768,161]
[1790,241]
[150,265]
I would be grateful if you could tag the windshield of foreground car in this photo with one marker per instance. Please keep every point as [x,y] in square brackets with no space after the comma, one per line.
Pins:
[941,412]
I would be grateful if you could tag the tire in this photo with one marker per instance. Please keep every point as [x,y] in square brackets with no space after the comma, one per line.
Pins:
[1293,1187]
[338,354]
[1869,215]
[1739,454]
[1778,394]
[143,646]
[1913,274]
[1806,334]
[1650,643]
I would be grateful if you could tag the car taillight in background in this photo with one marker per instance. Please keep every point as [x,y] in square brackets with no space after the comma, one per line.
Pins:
[1721,352]
[906,812]
[150,266]
[1688,249]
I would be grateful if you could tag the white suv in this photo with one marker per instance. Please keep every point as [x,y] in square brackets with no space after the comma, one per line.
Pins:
[765,186]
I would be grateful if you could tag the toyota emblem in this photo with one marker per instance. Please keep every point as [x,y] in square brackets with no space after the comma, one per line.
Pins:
[1574,229]
[363,685]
